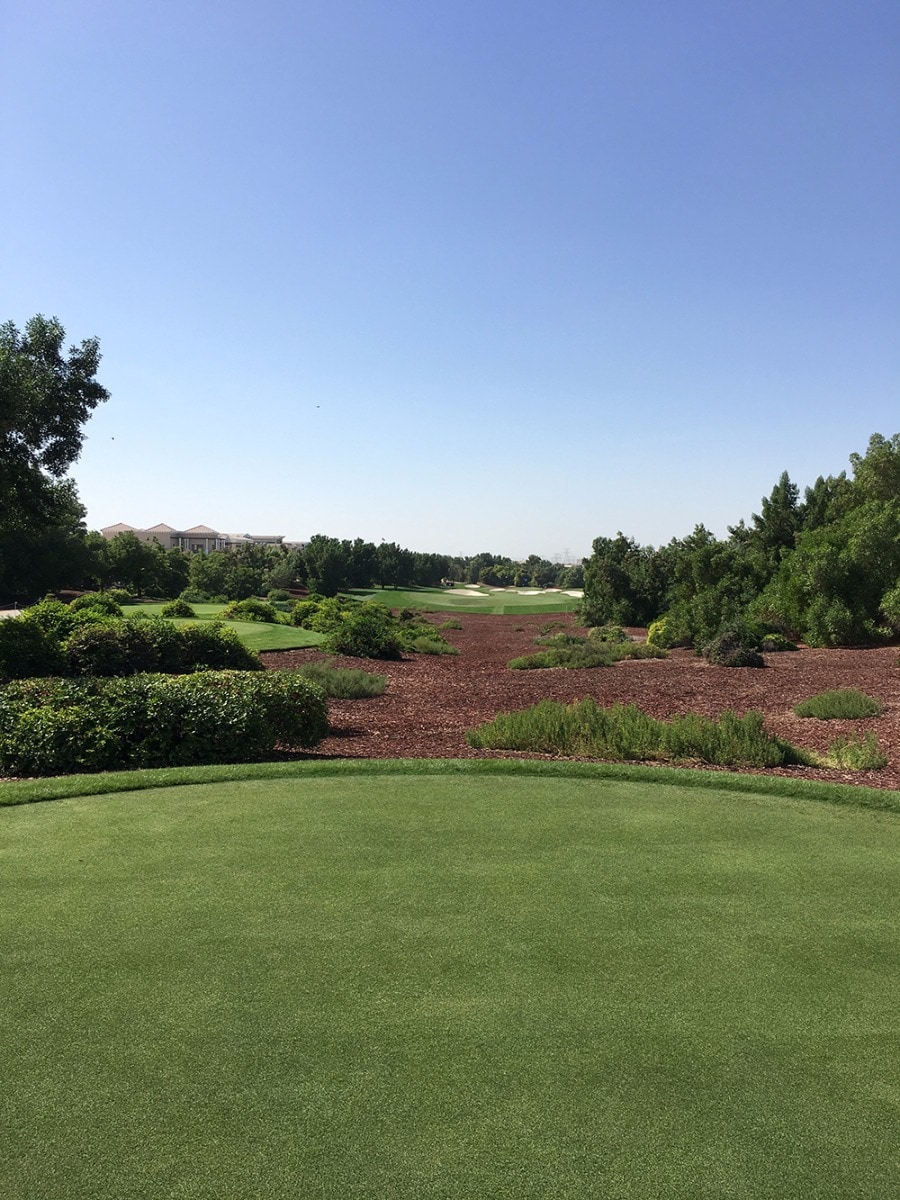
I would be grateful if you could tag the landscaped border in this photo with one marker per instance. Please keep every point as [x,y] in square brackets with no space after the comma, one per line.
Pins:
[31,791]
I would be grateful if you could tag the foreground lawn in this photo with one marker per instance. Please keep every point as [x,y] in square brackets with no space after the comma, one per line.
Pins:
[453,985]
[256,635]
[500,603]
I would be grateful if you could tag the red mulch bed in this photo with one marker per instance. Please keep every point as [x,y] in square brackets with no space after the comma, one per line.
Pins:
[431,700]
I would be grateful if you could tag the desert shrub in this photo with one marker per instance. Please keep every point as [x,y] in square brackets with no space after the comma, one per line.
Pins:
[608,633]
[57,726]
[429,644]
[99,602]
[842,703]
[177,608]
[251,609]
[734,646]
[344,683]
[856,754]
[26,648]
[624,732]
[776,643]
[582,654]
[368,631]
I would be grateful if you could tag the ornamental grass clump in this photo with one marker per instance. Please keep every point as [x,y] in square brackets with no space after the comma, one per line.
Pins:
[623,732]
[856,754]
[344,683]
[577,653]
[840,704]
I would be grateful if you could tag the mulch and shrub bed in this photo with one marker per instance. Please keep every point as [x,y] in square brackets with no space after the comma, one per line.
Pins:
[431,701]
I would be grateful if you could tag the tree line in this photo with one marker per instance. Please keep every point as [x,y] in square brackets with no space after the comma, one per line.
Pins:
[824,568]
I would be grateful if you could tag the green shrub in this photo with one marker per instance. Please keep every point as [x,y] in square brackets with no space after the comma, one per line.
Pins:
[210,645]
[278,595]
[840,704]
[344,683]
[624,732]
[302,612]
[429,644]
[194,596]
[120,596]
[251,609]
[57,618]
[177,608]
[776,643]
[735,646]
[452,623]
[52,727]
[856,754]
[130,647]
[662,634]
[99,602]
[28,649]
[582,654]
[109,649]
[369,631]
[608,633]
[329,614]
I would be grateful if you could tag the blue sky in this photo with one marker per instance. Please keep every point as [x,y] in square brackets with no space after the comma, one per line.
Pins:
[470,275]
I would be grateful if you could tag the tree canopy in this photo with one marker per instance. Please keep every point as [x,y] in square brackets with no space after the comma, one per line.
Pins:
[46,396]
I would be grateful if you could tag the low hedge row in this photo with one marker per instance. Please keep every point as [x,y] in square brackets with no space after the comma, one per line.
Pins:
[60,726]
[110,646]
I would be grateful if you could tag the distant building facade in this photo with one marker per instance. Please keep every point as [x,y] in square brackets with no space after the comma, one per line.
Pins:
[199,539]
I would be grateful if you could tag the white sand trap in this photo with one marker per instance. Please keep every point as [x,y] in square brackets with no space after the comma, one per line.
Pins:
[467,592]
[578,593]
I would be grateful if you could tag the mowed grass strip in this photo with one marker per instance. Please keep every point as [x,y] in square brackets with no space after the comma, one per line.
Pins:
[256,635]
[448,986]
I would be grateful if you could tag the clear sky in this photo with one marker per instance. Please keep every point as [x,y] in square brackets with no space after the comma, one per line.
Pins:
[462,274]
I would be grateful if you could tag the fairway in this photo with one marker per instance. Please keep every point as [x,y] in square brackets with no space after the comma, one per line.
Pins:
[456,986]
[256,635]
[475,598]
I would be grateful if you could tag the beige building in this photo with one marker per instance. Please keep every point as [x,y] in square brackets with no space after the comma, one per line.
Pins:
[199,539]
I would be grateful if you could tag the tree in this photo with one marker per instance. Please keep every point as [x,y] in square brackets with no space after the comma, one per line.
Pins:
[45,399]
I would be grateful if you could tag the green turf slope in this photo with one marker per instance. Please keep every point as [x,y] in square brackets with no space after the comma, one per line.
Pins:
[416,986]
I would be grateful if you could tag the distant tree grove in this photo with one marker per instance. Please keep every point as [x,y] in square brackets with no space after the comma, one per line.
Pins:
[824,568]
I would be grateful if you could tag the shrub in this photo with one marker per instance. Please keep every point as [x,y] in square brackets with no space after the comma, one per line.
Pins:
[367,632]
[624,732]
[776,643]
[278,595]
[608,633]
[210,645]
[842,703]
[193,596]
[58,726]
[429,644]
[57,618]
[99,602]
[177,608]
[856,754]
[120,595]
[28,649]
[452,623]
[734,646]
[130,647]
[581,654]
[251,609]
[328,615]
[344,683]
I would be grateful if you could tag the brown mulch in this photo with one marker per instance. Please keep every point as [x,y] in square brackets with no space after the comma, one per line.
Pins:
[431,700]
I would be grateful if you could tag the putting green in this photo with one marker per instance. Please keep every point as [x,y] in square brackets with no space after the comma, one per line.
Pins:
[448,986]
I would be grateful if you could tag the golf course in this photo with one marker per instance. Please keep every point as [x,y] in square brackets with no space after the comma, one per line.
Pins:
[416,980]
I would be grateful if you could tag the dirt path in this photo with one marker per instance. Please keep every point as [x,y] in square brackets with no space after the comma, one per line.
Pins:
[432,700]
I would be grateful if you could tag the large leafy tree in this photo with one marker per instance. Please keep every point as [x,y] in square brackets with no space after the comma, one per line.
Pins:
[46,396]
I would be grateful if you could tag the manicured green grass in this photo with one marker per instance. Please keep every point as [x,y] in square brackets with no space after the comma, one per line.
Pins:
[501,603]
[256,635]
[438,980]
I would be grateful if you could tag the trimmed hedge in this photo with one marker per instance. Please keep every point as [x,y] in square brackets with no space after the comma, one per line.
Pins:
[61,726]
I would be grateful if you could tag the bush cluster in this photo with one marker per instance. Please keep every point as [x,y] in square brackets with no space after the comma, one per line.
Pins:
[252,609]
[577,653]
[45,641]
[623,732]
[734,646]
[61,726]
[343,683]
[367,629]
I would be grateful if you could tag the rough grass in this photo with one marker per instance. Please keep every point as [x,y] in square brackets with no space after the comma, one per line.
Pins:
[846,703]
[856,754]
[479,982]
